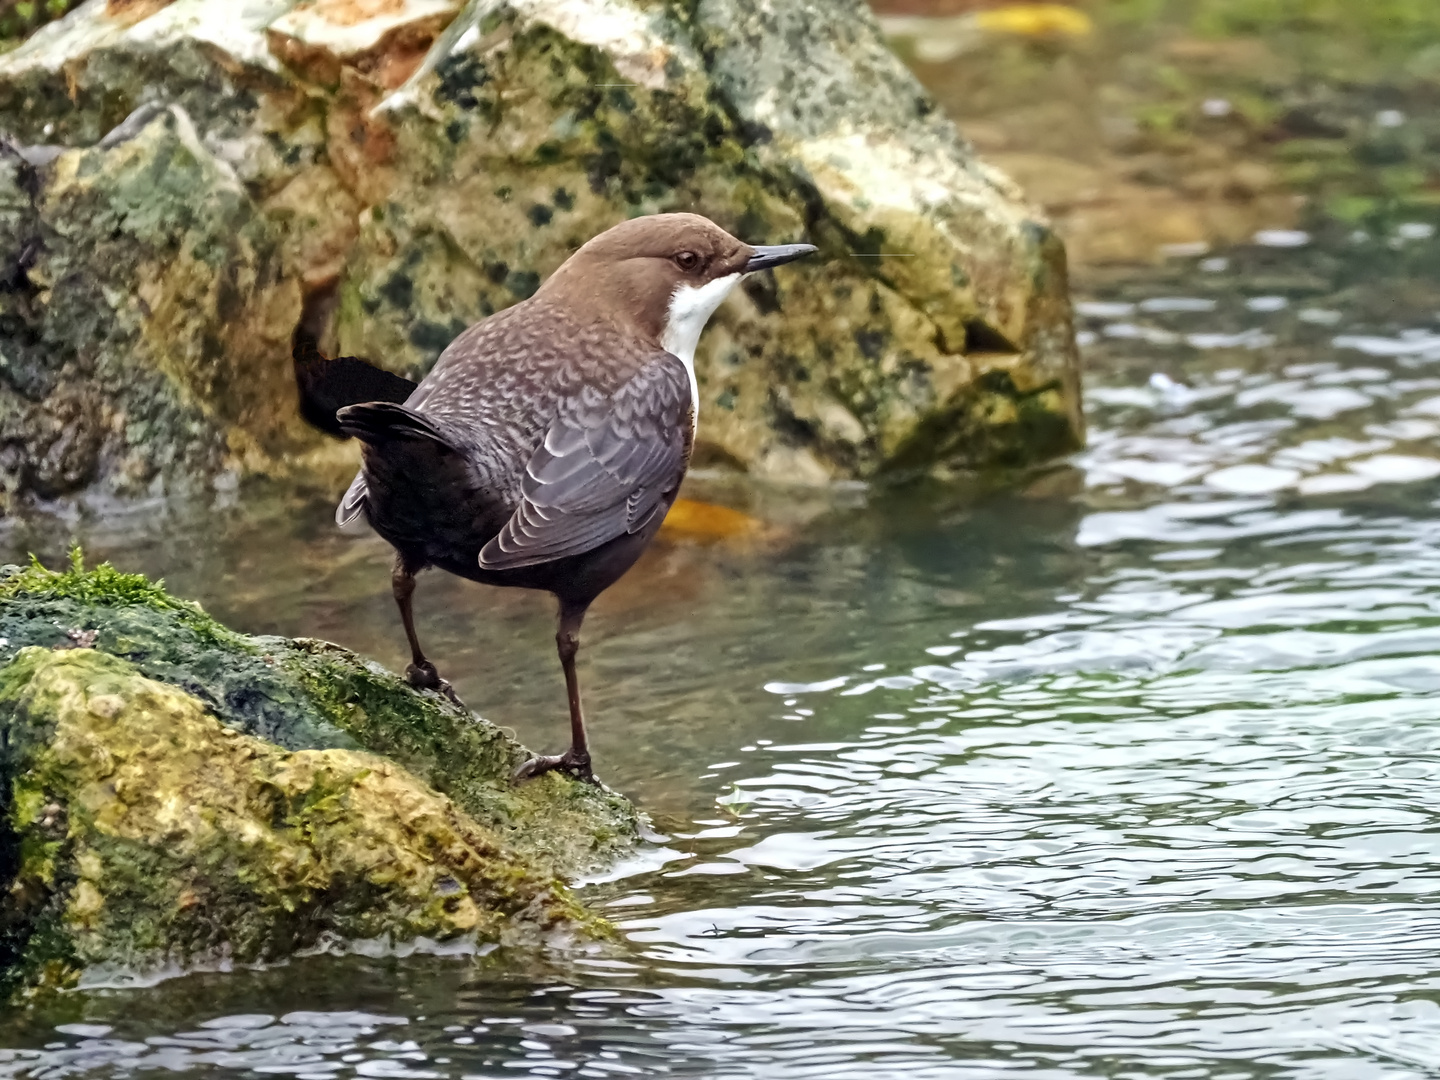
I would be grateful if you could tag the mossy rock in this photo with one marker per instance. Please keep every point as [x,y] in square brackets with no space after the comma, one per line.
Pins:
[177,794]
[439,158]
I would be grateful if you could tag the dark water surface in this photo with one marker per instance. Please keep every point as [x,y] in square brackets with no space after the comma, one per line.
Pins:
[1130,773]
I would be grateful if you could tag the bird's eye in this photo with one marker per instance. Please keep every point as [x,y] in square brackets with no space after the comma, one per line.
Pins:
[687,260]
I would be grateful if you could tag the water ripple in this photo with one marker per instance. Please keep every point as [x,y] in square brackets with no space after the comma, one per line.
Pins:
[1134,782]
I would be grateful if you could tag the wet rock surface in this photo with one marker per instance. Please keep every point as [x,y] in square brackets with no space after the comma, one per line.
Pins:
[440,161]
[177,794]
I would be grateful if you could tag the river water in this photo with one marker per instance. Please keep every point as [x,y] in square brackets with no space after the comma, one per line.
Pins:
[1128,772]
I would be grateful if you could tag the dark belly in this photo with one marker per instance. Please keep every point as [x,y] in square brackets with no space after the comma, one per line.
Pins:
[433,507]
[576,579]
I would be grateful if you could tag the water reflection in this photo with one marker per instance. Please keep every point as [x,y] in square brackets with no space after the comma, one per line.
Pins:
[1127,774]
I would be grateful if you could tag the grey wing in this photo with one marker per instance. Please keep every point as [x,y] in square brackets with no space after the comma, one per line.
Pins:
[603,470]
[352,507]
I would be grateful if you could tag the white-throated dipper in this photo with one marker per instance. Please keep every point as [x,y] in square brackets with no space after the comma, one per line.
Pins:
[545,447]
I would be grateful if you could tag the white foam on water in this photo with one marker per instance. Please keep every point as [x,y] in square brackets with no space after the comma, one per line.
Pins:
[1251,479]
[1396,468]
[1282,238]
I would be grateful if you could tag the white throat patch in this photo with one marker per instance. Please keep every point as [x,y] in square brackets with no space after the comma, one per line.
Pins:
[690,310]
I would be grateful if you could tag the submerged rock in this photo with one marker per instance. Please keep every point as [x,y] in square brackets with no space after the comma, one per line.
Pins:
[442,160]
[175,794]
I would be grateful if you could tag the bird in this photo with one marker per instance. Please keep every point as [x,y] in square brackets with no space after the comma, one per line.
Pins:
[546,445]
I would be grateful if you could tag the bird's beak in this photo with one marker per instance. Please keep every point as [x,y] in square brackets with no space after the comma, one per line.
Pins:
[762,258]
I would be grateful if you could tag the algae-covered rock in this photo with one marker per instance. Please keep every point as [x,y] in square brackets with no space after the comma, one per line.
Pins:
[176,794]
[442,160]
[143,337]
[934,328]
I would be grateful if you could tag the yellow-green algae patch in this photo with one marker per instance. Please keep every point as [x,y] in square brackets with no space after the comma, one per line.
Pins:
[175,793]
[150,835]
[304,694]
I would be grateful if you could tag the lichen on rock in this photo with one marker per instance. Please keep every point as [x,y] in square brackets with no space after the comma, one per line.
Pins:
[440,160]
[147,825]
[145,332]
[934,327]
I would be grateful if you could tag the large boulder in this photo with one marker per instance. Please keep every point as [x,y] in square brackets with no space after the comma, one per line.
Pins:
[174,794]
[441,160]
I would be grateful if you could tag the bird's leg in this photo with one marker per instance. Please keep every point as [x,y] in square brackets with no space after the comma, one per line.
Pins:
[576,760]
[421,673]
[567,644]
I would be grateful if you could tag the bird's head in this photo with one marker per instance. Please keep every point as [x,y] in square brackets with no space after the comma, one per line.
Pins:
[664,274]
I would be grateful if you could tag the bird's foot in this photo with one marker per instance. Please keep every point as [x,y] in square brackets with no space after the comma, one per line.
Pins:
[425,677]
[576,766]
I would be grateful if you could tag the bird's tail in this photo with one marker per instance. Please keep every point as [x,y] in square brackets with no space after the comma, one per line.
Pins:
[328,385]
[378,423]
[400,445]
[406,453]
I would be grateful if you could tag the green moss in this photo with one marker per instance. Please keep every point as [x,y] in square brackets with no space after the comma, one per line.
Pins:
[277,740]
[305,694]
[183,841]
[991,422]
[168,639]
[461,757]
[106,586]
[169,306]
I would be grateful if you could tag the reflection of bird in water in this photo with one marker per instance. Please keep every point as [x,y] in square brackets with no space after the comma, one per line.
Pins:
[546,445]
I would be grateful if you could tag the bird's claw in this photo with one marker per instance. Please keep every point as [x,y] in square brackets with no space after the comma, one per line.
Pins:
[576,766]
[425,677]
